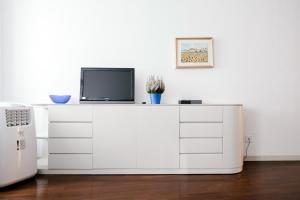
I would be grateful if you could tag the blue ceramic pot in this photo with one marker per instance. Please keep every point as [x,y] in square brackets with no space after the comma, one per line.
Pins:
[155,98]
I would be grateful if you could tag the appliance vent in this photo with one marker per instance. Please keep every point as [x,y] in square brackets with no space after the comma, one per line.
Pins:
[20,117]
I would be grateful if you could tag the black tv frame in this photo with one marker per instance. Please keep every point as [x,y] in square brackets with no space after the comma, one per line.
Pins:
[107,101]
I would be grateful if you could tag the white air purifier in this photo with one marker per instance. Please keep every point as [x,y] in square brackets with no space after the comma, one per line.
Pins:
[17,144]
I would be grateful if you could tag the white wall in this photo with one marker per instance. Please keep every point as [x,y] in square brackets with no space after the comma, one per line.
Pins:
[257,47]
[1,46]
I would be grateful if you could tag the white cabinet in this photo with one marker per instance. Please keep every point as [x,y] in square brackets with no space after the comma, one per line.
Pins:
[145,139]
[201,161]
[70,161]
[190,130]
[192,113]
[136,137]
[201,145]
[201,136]
[233,139]
[70,145]
[70,113]
[115,131]
[74,130]
[158,137]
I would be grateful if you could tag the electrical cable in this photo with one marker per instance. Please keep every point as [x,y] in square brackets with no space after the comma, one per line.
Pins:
[248,144]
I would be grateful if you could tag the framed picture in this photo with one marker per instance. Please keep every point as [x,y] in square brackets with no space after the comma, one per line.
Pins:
[194,52]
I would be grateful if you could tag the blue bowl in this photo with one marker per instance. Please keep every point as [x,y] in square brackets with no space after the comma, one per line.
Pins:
[60,99]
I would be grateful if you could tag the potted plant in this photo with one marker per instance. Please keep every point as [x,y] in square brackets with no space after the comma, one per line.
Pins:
[155,87]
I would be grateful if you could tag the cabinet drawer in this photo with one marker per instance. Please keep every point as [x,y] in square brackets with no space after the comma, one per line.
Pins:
[70,113]
[70,161]
[201,113]
[70,145]
[70,130]
[201,161]
[201,129]
[201,145]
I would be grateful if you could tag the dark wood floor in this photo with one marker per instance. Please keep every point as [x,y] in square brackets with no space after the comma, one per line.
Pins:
[259,180]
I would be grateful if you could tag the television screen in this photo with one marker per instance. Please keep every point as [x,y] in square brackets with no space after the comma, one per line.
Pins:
[107,84]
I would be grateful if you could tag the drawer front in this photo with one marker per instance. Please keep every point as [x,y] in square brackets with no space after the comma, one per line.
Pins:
[70,130]
[201,113]
[70,113]
[201,130]
[201,161]
[70,161]
[201,145]
[70,145]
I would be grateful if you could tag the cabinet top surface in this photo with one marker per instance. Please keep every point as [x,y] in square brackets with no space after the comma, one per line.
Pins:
[137,104]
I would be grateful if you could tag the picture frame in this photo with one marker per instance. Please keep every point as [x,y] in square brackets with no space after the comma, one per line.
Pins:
[194,52]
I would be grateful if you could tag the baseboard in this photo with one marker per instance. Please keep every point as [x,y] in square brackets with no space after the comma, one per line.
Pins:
[142,171]
[273,158]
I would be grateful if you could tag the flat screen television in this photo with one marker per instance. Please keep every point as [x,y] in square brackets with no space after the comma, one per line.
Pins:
[107,85]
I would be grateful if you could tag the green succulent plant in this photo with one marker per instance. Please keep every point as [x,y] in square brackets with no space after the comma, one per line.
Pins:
[155,84]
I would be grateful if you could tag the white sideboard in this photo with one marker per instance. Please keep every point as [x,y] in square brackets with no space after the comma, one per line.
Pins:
[145,139]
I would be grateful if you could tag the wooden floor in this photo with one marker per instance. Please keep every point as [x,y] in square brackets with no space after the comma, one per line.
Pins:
[259,180]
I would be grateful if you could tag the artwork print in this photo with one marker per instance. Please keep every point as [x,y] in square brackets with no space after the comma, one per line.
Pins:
[194,52]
